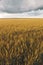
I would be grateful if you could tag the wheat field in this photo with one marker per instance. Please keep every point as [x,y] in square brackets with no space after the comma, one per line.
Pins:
[21,41]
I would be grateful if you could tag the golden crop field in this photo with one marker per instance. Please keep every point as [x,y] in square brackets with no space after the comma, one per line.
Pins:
[21,41]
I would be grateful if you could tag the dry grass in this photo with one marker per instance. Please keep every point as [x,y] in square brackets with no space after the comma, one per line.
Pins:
[21,42]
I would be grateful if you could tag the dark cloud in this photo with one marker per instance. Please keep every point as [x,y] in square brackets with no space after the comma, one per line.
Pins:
[15,6]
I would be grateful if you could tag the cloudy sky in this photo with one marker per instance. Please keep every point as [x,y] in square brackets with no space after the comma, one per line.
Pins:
[21,8]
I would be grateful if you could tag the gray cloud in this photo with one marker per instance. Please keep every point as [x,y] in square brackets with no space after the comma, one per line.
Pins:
[14,6]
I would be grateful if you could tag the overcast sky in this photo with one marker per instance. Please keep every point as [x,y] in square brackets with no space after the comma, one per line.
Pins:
[21,8]
[13,6]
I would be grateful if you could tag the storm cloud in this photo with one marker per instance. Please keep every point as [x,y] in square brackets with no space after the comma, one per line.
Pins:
[17,6]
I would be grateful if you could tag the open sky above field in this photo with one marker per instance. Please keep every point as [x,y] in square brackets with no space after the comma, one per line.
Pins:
[21,8]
